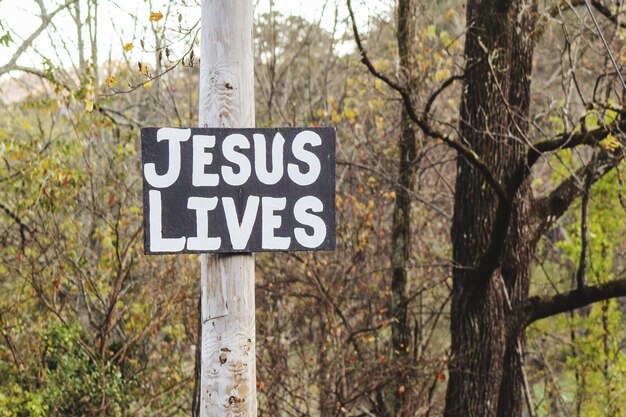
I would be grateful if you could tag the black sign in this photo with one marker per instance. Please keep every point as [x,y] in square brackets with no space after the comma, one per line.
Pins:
[238,190]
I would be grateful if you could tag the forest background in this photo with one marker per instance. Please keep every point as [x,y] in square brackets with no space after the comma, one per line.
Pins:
[90,326]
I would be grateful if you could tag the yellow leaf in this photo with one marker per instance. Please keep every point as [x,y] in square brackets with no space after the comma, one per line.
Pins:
[128,46]
[432,32]
[88,105]
[111,80]
[350,114]
[610,143]
[143,69]
[442,74]
[156,16]
[147,85]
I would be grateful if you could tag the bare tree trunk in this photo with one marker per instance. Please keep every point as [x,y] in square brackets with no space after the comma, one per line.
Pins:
[79,39]
[326,399]
[401,227]
[497,223]
[93,37]
[492,243]
[228,378]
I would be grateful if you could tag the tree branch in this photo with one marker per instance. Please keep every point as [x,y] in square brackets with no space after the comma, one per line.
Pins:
[551,207]
[584,226]
[567,140]
[539,307]
[41,74]
[421,122]
[606,12]
[45,21]
[447,83]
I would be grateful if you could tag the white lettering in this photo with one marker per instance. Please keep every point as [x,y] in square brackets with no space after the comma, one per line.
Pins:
[175,137]
[240,233]
[231,142]
[201,159]
[202,241]
[300,212]
[157,242]
[260,159]
[271,222]
[308,157]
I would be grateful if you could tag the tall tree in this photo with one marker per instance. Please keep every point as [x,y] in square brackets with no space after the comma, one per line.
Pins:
[492,237]
[497,221]
[401,226]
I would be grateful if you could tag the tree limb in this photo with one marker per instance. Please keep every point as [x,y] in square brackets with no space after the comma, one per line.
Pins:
[539,307]
[23,227]
[46,18]
[584,227]
[447,83]
[421,122]
[567,140]
[606,12]
[551,207]
[41,74]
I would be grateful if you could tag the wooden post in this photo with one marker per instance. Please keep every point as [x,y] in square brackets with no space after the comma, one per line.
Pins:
[228,369]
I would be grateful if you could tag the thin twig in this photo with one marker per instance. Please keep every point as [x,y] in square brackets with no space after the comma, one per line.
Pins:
[606,45]
[421,122]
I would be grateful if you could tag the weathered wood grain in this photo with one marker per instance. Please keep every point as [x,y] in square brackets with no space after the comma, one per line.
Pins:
[228,371]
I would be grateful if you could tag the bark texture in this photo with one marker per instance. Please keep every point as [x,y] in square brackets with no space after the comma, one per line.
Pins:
[401,227]
[491,235]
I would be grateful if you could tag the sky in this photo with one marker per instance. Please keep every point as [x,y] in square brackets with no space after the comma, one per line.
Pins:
[117,25]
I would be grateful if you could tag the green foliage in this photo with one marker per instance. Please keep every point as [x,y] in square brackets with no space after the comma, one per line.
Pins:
[586,371]
[64,380]
[6,39]
[90,326]
[81,310]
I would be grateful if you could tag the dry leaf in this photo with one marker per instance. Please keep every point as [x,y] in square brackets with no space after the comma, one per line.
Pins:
[156,16]
[143,69]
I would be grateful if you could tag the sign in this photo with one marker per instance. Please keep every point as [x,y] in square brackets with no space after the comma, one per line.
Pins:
[238,190]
